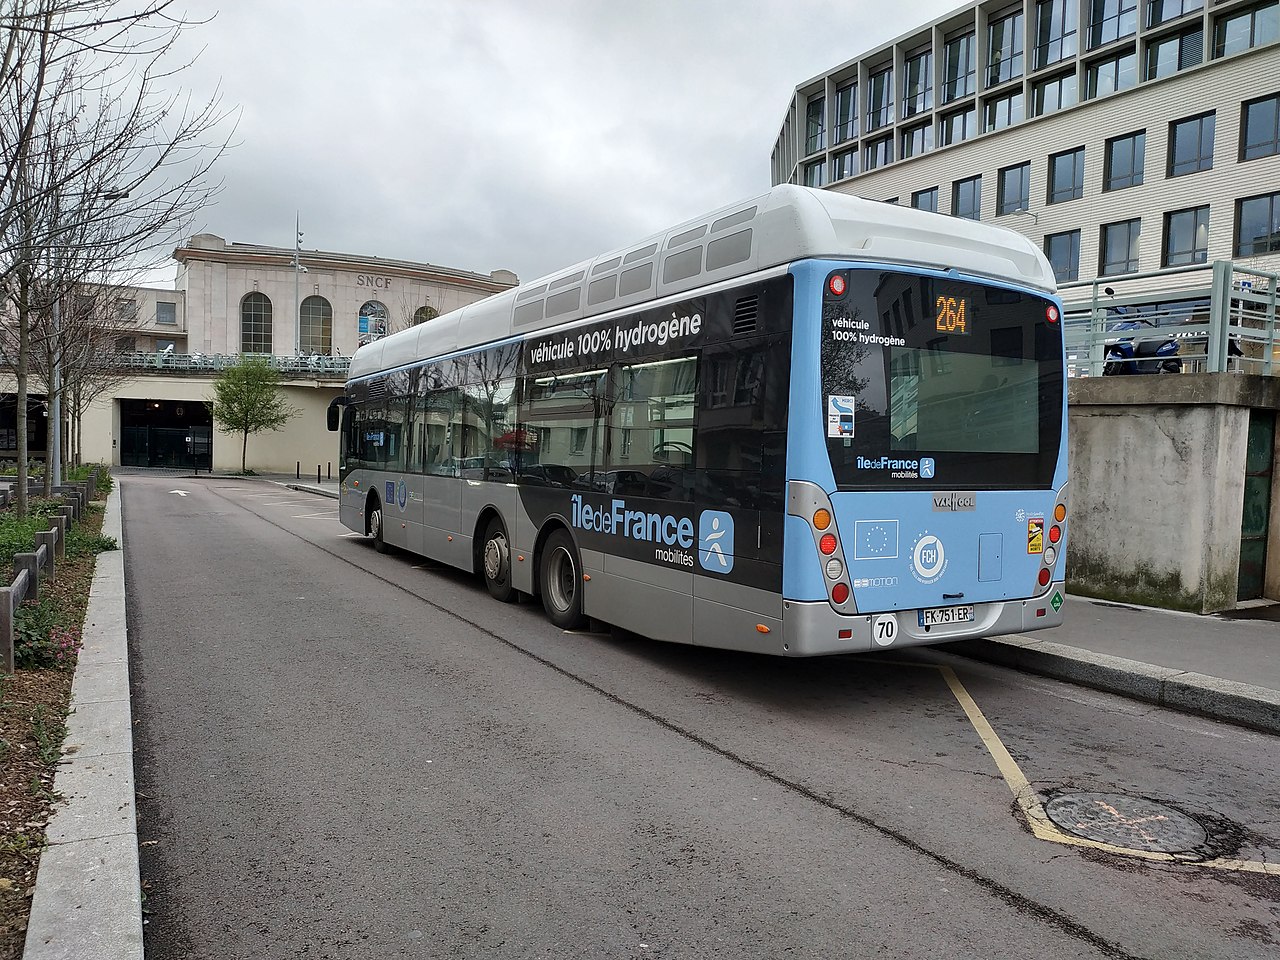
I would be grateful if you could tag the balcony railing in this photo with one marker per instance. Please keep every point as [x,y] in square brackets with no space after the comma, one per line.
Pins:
[207,364]
[1222,315]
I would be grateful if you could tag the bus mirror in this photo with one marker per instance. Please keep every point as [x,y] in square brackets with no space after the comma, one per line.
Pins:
[331,418]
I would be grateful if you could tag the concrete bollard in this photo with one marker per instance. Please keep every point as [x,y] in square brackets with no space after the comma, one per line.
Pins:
[6,629]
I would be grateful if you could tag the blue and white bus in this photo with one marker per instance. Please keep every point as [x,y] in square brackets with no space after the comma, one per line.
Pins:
[804,424]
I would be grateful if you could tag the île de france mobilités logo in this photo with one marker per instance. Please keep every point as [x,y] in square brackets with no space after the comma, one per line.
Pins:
[928,558]
[715,541]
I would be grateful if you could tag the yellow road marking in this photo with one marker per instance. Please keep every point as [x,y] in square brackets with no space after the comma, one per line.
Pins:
[1032,806]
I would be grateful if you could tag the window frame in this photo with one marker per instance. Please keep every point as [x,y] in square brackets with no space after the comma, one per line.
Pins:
[1137,171]
[1173,163]
[1133,259]
[1073,260]
[1273,144]
[1273,238]
[1195,254]
[956,190]
[1007,203]
[1076,155]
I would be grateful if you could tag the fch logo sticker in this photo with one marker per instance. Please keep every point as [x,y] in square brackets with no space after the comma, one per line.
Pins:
[715,541]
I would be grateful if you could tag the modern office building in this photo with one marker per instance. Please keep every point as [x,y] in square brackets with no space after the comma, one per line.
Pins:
[1124,136]
[307,310]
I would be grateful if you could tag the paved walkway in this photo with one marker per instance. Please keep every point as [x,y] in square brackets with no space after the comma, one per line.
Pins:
[87,900]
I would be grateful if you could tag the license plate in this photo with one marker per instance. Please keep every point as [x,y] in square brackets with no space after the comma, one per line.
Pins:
[937,616]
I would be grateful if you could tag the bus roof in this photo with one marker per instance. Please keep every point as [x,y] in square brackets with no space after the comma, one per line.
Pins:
[787,224]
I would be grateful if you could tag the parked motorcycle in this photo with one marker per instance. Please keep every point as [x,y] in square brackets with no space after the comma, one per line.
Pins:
[1127,357]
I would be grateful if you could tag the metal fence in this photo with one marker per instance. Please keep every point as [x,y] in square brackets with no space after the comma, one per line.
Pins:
[1222,316]
[207,364]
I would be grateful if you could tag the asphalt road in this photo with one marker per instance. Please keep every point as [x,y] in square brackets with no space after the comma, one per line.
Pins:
[346,755]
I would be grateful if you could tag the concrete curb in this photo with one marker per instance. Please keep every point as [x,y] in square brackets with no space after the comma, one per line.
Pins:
[312,488]
[1226,700]
[88,901]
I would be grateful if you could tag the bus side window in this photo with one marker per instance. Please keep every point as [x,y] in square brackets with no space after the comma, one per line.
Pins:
[651,430]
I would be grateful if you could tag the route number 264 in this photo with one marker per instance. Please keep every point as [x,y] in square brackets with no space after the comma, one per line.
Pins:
[951,315]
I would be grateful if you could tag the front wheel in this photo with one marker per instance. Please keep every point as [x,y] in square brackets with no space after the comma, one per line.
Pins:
[560,577]
[375,527]
[496,563]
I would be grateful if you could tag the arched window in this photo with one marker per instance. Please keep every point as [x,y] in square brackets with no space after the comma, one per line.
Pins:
[315,332]
[423,314]
[255,323]
[373,321]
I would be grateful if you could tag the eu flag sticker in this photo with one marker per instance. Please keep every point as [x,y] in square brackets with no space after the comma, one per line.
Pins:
[715,541]
[875,539]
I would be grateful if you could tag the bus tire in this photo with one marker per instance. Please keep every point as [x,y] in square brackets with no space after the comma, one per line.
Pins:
[495,562]
[375,527]
[560,580]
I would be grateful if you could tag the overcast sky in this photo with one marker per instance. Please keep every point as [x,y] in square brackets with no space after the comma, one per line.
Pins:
[507,134]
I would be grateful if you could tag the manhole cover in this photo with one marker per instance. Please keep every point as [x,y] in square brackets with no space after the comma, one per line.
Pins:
[1126,822]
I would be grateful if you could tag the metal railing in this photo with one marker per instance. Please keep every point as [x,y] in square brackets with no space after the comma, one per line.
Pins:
[325,368]
[1222,315]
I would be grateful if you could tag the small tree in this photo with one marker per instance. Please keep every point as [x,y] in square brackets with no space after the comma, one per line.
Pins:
[248,399]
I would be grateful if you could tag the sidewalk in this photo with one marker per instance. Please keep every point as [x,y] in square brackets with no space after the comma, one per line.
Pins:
[1225,667]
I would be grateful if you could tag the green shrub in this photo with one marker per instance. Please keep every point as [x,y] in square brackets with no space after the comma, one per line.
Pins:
[40,641]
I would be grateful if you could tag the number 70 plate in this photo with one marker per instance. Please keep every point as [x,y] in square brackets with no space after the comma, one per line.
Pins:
[938,616]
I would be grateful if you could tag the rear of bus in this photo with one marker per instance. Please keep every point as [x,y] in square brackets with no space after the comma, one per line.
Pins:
[926,459]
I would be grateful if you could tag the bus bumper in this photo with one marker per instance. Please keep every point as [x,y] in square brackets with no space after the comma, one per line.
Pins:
[812,629]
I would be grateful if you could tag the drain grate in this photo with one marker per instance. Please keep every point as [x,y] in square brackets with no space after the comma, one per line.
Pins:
[1132,822]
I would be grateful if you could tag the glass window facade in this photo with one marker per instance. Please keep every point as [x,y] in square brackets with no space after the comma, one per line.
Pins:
[917,140]
[877,153]
[1063,252]
[1111,19]
[960,79]
[1066,176]
[1162,11]
[846,112]
[926,199]
[1004,48]
[1119,247]
[917,93]
[1260,128]
[1013,189]
[1002,111]
[1125,159]
[1110,76]
[1056,93]
[1055,35]
[966,198]
[815,174]
[1258,225]
[255,323]
[1237,32]
[959,126]
[815,125]
[1168,55]
[880,99]
[315,334]
[844,164]
[1186,237]
[1191,145]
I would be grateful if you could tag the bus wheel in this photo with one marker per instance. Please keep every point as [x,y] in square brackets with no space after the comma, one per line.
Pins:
[497,563]
[560,578]
[375,527]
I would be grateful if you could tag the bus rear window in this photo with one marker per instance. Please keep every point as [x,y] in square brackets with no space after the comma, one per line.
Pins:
[929,382]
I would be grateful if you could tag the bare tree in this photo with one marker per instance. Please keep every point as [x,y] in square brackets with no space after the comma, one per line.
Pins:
[105,167]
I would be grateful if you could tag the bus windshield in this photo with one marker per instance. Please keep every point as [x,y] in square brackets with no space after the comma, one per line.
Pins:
[931,382]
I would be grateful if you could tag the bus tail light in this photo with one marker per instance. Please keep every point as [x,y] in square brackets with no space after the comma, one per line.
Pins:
[840,593]
[828,544]
[1055,533]
[1060,512]
[1044,576]
[821,519]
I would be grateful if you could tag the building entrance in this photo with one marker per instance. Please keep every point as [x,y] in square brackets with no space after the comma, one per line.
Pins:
[166,433]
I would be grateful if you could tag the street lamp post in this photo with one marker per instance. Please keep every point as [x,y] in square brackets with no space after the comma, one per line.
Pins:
[298,268]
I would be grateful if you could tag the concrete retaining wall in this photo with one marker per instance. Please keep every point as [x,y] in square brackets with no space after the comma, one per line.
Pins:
[1157,469]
